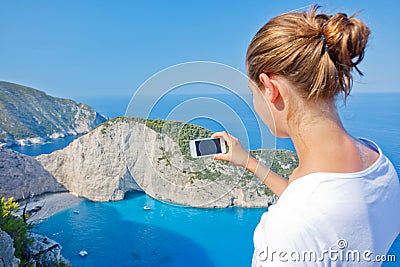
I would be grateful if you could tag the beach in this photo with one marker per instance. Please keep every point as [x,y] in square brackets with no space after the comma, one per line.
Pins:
[49,204]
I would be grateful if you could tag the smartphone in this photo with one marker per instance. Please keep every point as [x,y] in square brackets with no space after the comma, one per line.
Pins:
[206,147]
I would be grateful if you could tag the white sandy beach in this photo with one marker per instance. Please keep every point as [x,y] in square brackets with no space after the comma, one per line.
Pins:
[50,204]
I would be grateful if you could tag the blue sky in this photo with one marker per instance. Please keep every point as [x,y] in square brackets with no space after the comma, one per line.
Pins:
[86,48]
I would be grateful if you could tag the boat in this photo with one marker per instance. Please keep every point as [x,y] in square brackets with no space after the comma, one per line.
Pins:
[83,253]
[146,208]
[76,211]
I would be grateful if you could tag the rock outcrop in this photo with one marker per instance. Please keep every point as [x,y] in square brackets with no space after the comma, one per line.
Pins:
[93,165]
[21,176]
[45,252]
[124,154]
[29,116]
[7,258]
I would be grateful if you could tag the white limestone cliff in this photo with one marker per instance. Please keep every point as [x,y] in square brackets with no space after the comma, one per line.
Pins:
[22,176]
[122,155]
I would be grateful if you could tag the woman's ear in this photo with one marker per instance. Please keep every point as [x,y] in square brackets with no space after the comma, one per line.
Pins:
[270,89]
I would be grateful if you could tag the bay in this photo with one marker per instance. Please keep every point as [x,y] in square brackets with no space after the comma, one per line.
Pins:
[123,234]
[46,148]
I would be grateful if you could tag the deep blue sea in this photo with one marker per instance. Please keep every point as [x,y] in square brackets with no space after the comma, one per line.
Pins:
[123,234]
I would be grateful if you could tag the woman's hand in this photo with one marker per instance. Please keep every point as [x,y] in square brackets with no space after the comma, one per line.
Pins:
[241,157]
[237,154]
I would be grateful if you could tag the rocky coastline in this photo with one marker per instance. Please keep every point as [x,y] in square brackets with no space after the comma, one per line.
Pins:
[129,154]
[9,143]
[125,154]
[29,116]
[119,156]
[43,252]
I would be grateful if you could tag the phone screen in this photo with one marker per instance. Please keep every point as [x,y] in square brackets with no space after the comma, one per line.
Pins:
[208,147]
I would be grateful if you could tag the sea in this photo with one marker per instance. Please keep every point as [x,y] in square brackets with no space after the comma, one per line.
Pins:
[124,234]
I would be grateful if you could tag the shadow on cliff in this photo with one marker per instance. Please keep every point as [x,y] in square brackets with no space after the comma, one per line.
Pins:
[111,240]
[133,195]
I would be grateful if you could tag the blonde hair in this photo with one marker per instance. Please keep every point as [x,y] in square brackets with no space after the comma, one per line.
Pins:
[315,52]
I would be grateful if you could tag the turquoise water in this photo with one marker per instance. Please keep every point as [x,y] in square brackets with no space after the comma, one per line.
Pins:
[47,148]
[123,234]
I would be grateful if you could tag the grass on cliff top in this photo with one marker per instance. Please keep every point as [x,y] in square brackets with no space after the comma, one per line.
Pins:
[281,161]
[180,132]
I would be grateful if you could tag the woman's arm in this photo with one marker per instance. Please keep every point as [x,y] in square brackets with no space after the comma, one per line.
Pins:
[240,157]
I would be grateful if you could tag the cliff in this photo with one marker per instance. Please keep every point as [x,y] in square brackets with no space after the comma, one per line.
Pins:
[7,258]
[21,175]
[30,116]
[127,154]
[43,252]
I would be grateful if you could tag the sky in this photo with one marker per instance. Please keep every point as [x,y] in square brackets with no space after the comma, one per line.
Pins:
[77,48]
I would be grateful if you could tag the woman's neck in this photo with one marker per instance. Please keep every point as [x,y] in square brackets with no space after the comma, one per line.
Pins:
[322,144]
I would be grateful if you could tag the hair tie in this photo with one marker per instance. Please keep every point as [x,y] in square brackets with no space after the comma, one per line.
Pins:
[322,37]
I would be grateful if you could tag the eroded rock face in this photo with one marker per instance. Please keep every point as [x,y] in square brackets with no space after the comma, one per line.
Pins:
[7,258]
[45,252]
[124,155]
[21,175]
[93,165]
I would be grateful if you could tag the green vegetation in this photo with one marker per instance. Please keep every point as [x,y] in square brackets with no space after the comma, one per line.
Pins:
[26,113]
[16,228]
[282,162]
[180,132]
[205,174]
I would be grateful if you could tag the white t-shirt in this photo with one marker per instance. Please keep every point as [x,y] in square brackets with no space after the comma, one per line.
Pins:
[332,219]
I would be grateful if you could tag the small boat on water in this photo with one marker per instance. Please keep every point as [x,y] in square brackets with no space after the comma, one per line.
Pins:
[83,253]
[76,211]
[146,208]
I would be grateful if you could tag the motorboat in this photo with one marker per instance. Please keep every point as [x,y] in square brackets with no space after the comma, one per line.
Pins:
[83,253]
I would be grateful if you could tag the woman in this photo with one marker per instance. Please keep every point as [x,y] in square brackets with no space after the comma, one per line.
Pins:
[340,206]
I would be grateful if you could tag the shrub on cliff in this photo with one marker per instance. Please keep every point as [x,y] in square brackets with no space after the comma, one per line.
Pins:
[15,227]
[181,132]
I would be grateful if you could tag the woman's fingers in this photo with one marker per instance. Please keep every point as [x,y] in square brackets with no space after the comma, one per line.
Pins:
[227,137]
[224,135]
[225,157]
[237,154]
